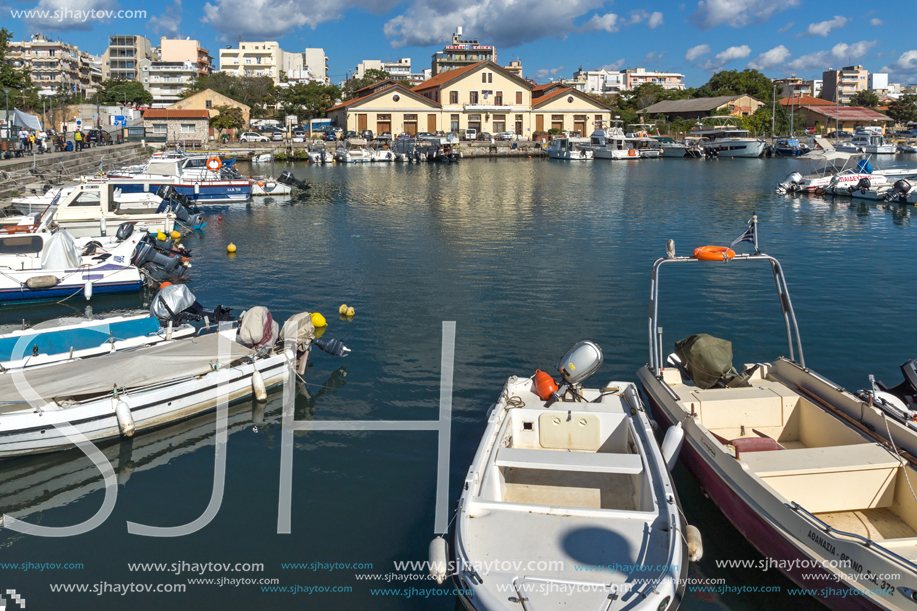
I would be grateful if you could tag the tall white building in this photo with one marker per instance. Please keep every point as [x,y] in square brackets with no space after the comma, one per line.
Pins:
[259,59]
[316,62]
[597,82]
[399,70]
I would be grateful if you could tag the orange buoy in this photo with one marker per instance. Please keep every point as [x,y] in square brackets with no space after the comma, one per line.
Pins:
[260,183]
[544,385]
[714,253]
[165,284]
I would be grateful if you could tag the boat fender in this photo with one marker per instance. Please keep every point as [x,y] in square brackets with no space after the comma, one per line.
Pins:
[103,227]
[671,445]
[438,559]
[544,385]
[42,282]
[87,290]
[175,235]
[695,544]
[258,386]
[125,420]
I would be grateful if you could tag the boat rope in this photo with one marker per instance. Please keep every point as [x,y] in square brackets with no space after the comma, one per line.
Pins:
[892,441]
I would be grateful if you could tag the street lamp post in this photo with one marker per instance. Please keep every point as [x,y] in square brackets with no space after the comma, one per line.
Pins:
[6,114]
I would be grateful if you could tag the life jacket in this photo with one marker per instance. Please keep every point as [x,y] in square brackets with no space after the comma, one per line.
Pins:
[77,136]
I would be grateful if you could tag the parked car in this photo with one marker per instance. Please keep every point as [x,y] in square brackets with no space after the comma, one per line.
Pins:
[424,135]
[838,134]
[253,137]
[98,136]
[507,136]
[810,130]
[485,137]
[300,131]
[366,134]
[384,136]
[277,136]
[351,134]
[470,134]
[330,137]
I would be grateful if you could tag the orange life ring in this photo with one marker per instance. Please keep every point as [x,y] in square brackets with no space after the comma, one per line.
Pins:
[214,164]
[714,253]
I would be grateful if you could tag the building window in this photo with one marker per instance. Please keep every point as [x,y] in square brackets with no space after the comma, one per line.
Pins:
[453,97]
[454,123]
[498,99]
[598,118]
[499,124]
[410,117]
[519,98]
[490,76]
[472,97]
[483,77]
[160,128]
[208,104]
[557,122]
[187,128]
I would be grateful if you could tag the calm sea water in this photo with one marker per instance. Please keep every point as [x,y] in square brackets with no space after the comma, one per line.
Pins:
[528,257]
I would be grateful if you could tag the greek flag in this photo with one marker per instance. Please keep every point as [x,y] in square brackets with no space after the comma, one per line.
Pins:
[748,236]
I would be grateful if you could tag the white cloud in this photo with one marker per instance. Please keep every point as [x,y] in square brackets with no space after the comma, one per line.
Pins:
[770,59]
[903,68]
[786,27]
[695,52]
[822,60]
[876,21]
[614,65]
[653,57]
[605,23]
[504,23]
[74,14]
[823,28]
[268,19]
[169,22]
[545,73]
[737,13]
[724,57]
[653,20]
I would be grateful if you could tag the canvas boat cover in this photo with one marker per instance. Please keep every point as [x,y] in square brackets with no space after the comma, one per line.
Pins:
[60,252]
[131,370]
[22,119]
[163,168]
[171,300]
[707,359]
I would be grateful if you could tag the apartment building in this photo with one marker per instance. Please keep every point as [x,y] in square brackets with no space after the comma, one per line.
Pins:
[635,77]
[514,68]
[841,85]
[597,82]
[259,59]
[399,70]
[183,50]
[462,53]
[121,58]
[53,64]
[316,62]
[167,80]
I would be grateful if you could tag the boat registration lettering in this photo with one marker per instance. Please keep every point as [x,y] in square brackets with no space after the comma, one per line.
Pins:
[822,542]
[708,447]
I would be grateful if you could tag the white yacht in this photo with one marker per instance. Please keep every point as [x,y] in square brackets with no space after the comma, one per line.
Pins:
[354,151]
[611,143]
[647,146]
[566,149]
[727,139]
[562,478]
[867,141]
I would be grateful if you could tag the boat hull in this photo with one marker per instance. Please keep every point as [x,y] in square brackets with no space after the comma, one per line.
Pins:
[209,191]
[106,280]
[737,148]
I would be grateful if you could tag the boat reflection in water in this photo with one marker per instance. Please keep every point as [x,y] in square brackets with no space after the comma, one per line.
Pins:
[35,484]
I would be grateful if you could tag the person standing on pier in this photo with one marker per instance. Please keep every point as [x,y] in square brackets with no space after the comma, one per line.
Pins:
[77,140]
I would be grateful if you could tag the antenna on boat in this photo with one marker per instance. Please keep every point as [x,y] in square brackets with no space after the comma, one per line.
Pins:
[754,230]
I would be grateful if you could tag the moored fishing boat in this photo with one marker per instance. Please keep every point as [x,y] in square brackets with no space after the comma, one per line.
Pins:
[815,494]
[565,149]
[573,476]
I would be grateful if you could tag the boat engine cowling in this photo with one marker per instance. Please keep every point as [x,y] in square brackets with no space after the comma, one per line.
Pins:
[177,303]
[181,213]
[583,360]
[149,253]
[287,178]
[125,230]
[862,186]
[791,183]
[899,191]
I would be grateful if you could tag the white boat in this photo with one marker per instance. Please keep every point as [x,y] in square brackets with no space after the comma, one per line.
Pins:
[34,204]
[646,145]
[318,154]
[270,187]
[867,141]
[611,143]
[726,139]
[813,492]
[353,150]
[191,176]
[563,148]
[383,154]
[907,147]
[127,392]
[831,170]
[263,158]
[555,485]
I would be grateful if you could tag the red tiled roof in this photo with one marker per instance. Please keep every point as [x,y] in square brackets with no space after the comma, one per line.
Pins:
[804,100]
[167,113]
[371,94]
[378,84]
[444,77]
[562,90]
[848,113]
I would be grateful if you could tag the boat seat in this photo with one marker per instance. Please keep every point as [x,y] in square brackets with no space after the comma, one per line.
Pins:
[830,459]
[555,460]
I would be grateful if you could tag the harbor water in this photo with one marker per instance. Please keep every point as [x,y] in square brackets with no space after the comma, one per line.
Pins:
[527,257]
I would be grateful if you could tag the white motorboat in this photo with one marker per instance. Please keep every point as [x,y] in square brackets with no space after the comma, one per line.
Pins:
[813,492]
[200,178]
[647,146]
[34,204]
[611,143]
[126,392]
[383,154]
[832,170]
[318,154]
[353,150]
[563,148]
[669,148]
[726,139]
[907,147]
[867,141]
[263,158]
[555,485]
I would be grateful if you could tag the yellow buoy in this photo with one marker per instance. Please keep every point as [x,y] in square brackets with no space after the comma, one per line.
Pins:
[343,310]
[318,320]
[351,312]
[175,234]
[231,247]
[161,236]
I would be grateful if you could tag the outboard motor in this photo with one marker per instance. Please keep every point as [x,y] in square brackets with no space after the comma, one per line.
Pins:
[791,183]
[899,191]
[181,213]
[287,178]
[862,186]
[177,303]
[173,263]
[583,360]
[125,230]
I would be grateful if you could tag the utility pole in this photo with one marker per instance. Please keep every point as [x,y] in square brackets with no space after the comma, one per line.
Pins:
[774,113]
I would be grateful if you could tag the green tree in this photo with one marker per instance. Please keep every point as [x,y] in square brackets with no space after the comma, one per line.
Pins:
[116,91]
[865,98]
[230,117]
[735,82]
[308,100]
[369,77]
[904,109]
[257,92]
[24,94]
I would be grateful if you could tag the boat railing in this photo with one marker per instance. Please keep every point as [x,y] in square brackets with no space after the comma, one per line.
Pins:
[657,361]
[865,540]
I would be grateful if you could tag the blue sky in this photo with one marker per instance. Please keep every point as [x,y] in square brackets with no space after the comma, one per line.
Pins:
[551,37]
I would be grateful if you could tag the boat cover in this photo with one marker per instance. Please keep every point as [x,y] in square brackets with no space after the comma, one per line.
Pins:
[163,168]
[171,300]
[60,341]
[60,252]
[131,370]
[707,359]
